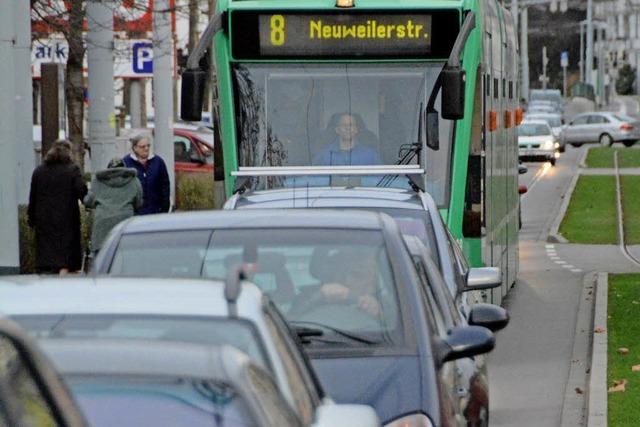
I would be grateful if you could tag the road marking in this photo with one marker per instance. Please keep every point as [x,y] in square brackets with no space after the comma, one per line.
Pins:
[541,172]
[549,246]
[554,258]
[560,262]
[576,270]
[567,266]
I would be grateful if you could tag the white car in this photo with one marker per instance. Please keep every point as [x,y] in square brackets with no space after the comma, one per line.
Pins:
[555,121]
[536,141]
[235,313]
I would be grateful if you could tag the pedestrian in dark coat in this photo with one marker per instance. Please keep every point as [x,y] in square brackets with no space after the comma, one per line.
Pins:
[153,175]
[56,188]
[116,194]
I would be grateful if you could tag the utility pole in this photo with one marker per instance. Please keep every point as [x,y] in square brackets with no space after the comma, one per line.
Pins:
[9,240]
[581,60]
[524,52]
[163,87]
[102,120]
[589,54]
[25,154]
[564,63]
[545,61]
[136,89]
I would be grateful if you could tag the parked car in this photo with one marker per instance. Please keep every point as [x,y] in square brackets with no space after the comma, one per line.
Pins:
[555,121]
[603,127]
[31,392]
[193,151]
[97,311]
[552,95]
[536,141]
[344,279]
[542,109]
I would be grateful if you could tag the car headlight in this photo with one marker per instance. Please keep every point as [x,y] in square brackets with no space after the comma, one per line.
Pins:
[547,145]
[414,420]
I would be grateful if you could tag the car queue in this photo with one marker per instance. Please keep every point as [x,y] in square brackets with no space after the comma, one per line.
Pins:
[547,129]
[367,298]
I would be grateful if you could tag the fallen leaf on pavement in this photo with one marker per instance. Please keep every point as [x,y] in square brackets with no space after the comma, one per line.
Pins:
[618,386]
[635,368]
[623,350]
[599,330]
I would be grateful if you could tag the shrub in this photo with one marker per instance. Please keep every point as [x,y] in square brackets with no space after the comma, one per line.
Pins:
[194,191]
[27,238]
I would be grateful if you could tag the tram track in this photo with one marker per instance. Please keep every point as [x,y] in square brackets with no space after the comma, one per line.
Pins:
[623,247]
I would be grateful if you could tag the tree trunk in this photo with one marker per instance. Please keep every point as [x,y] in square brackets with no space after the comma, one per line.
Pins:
[74,82]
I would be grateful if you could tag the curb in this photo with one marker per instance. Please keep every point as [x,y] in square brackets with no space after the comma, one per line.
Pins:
[574,402]
[554,233]
[597,404]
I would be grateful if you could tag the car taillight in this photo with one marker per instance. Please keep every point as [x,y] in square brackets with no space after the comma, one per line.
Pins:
[626,126]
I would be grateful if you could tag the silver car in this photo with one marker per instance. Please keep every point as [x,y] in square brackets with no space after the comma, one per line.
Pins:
[603,127]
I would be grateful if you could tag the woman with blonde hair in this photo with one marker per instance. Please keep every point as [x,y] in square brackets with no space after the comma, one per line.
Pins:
[54,214]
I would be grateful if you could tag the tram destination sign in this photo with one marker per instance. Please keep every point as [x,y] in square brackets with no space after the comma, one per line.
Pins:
[378,34]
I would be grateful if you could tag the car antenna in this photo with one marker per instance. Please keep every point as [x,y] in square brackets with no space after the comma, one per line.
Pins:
[232,288]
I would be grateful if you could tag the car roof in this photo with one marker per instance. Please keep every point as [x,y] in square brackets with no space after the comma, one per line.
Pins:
[534,116]
[264,218]
[143,357]
[334,197]
[534,122]
[122,295]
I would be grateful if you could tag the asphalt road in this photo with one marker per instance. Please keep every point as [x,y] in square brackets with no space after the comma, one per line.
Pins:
[530,367]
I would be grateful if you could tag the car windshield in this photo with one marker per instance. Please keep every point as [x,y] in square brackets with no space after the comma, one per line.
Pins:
[553,121]
[158,401]
[533,129]
[337,115]
[332,277]
[204,330]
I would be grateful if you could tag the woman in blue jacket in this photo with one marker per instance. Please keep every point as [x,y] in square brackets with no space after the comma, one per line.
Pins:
[152,173]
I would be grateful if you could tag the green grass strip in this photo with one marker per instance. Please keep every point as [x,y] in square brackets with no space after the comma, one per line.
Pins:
[628,158]
[623,329]
[592,216]
[600,157]
[630,186]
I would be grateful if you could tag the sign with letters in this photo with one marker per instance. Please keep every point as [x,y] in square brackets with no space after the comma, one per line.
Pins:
[417,34]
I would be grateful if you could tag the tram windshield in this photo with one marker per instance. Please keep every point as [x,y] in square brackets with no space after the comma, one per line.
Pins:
[339,115]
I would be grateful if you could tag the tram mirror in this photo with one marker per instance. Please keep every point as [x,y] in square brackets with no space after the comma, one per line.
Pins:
[433,130]
[193,86]
[453,79]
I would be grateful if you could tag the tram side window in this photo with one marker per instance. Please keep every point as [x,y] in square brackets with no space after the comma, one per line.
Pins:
[496,88]
[510,90]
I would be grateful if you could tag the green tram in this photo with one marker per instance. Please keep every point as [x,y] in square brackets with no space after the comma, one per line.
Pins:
[287,71]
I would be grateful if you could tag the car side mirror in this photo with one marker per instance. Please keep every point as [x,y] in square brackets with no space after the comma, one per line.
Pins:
[433,130]
[522,169]
[481,278]
[332,415]
[466,341]
[490,316]
[194,83]
[24,367]
[453,88]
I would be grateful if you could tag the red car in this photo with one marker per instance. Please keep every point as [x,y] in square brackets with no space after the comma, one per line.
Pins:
[193,150]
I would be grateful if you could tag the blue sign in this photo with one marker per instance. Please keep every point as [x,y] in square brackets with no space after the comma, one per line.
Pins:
[143,58]
[564,59]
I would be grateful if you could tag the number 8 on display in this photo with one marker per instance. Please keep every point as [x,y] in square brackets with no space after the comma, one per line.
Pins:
[277,30]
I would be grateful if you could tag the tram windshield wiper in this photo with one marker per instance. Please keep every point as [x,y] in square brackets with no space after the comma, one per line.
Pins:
[406,153]
[307,332]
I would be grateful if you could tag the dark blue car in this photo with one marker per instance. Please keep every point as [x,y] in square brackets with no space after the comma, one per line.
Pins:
[346,283]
